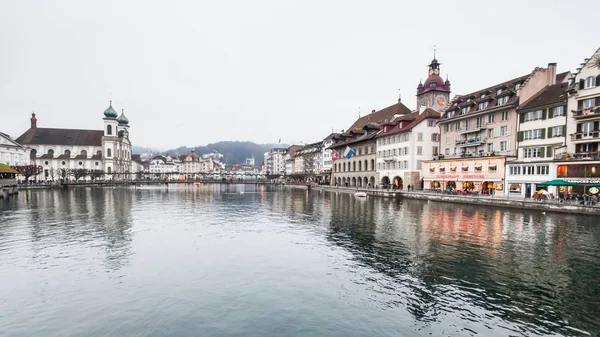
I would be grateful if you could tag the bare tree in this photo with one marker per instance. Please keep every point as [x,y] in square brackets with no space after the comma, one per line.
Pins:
[63,173]
[96,174]
[52,173]
[28,171]
[80,173]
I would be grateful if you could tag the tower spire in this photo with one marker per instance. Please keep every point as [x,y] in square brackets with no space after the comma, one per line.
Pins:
[434,50]
[399,96]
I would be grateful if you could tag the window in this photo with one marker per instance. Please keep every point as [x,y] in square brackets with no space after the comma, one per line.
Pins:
[447,127]
[588,103]
[515,170]
[504,116]
[528,170]
[80,163]
[538,114]
[109,153]
[84,153]
[420,137]
[447,151]
[558,111]
[504,146]
[63,163]
[447,140]
[557,131]
[435,137]
[590,82]
[478,122]
[528,116]
[503,100]
[464,110]
[498,92]
[45,163]
[483,105]
[406,150]
[517,86]
[51,153]
[419,150]
[434,150]
[504,131]
[394,152]
[490,147]
[109,130]
[543,169]
[458,125]
[587,129]
[430,123]
[532,152]
[490,118]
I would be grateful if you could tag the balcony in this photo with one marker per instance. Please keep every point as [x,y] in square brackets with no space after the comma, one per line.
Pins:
[582,137]
[470,142]
[469,130]
[594,155]
[593,112]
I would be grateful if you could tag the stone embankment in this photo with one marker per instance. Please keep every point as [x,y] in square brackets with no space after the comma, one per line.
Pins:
[491,201]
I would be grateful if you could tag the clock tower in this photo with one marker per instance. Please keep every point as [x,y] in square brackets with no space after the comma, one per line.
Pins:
[435,92]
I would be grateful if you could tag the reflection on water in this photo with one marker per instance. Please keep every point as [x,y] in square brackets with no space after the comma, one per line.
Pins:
[228,260]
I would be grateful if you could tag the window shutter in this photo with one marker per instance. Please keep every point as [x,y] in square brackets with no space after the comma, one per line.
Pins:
[522,118]
[544,114]
[520,136]
[579,104]
[548,151]
[564,131]
[550,132]
[542,152]
[508,130]
[543,133]
[508,145]
[581,84]
[550,113]
[578,127]
[598,81]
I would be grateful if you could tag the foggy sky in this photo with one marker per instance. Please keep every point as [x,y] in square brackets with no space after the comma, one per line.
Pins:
[192,72]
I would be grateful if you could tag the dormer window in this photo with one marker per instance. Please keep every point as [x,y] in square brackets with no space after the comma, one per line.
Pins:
[498,92]
[431,85]
[517,86]
[482,96]
[483,105]
[503,100]
[464,110]
[590,82]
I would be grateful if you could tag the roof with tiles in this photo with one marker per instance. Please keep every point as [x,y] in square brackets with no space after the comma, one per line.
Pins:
[381,116]
[49,136]
[489,94]
[413,120]
[550,95]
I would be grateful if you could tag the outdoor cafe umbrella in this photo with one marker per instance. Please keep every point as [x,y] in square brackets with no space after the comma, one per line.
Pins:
[557,182]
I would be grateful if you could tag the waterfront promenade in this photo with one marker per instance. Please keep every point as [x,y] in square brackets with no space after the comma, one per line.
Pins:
[486,200]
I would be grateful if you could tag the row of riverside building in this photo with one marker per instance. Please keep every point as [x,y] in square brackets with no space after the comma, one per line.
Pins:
[503,139]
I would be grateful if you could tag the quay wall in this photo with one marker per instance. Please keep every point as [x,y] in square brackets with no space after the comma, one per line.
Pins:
[500,201]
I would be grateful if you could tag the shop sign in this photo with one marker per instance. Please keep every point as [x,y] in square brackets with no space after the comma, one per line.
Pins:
[460,176]
[584,181]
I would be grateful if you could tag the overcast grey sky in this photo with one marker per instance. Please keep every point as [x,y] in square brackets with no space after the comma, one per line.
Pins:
[194,72]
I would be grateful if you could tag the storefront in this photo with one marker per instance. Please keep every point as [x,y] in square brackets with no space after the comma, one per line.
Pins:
[585,174]
[480,175]
[522,179]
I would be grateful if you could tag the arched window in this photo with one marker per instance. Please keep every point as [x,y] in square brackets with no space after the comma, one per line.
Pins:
[99,153]
[108,153]
[353,166]
[366,167]
[84,153]
[109,130]
[51,153]
[33,154]
[68,153]
[109,170]
[344,165]
[360,165]
[372,164]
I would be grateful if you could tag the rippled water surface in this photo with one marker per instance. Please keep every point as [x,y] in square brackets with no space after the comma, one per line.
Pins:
[211,261]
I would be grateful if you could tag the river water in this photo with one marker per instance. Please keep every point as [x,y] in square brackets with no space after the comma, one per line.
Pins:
[211,261]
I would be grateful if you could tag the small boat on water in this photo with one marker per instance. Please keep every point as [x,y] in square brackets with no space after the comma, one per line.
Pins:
[360,194]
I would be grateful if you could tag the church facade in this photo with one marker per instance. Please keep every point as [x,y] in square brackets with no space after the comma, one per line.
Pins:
[107,150]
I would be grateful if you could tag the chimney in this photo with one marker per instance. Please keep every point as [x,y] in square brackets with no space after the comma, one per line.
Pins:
[373,111]
[33,121]
[551,73]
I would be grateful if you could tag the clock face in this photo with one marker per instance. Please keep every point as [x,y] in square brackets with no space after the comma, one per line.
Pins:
[436,71]
[440,101]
